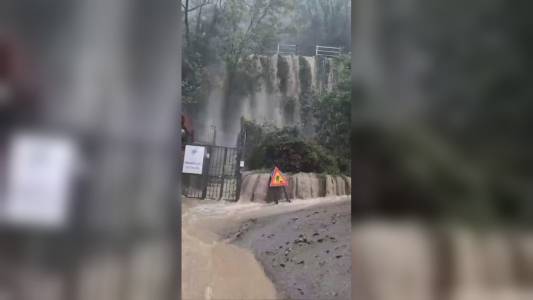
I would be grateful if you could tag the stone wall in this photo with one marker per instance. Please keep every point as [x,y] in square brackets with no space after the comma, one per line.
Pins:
[255,187]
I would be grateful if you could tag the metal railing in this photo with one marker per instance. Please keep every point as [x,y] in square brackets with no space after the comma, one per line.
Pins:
[328,51]
[284,49]
[325,51]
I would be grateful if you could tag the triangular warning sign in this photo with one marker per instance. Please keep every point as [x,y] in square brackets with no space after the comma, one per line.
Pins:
[277,179]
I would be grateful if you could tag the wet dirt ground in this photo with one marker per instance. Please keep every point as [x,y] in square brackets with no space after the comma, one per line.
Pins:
[306,253]
[214,269]
[224,255]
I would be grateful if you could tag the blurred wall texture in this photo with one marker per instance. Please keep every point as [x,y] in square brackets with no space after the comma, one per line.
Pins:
[94,83]
[442,118]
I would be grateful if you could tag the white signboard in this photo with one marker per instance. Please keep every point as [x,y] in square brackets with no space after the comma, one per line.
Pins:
[242,164]
[40,170]
[193,161]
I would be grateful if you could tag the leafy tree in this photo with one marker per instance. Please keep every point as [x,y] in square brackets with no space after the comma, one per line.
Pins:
[250,27]
[333,116]
[225,33]
[221,37]
[320,22]
[268,146]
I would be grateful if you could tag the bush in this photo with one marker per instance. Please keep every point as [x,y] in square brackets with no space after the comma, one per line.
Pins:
[332,112]
[267,146]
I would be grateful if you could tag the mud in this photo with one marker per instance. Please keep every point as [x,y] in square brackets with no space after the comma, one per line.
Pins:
[306,253]
[213,268]
[255,188]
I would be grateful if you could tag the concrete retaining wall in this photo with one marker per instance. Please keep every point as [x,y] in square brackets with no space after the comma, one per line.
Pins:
[255,188]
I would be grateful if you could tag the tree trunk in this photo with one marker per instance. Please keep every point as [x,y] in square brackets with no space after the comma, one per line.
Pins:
[186,15]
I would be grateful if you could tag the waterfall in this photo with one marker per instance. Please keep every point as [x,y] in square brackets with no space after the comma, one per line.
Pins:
[311,63]
[282,85]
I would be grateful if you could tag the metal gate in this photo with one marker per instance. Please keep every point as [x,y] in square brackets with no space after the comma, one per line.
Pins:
[220,178]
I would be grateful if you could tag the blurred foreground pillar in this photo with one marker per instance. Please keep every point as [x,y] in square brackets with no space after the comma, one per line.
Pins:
[106,75]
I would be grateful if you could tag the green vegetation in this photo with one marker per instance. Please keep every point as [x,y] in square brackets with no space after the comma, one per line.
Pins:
[332,112]
[327,150]
[286,148]
[220,35]
[226,31]
[307,96]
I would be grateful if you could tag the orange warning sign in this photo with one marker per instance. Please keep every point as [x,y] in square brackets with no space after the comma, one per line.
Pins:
[277,179]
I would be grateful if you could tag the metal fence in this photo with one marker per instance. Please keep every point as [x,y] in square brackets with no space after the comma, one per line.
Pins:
[328,51]
[320,50]
[220,179]
[284,49]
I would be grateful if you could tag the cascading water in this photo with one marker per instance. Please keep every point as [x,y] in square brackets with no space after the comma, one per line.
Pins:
[283,85]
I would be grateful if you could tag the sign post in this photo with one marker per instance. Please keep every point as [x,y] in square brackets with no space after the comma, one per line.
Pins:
[277,180]
[193,160]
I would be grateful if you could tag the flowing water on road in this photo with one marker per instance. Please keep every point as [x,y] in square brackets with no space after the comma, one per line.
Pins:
[215,269]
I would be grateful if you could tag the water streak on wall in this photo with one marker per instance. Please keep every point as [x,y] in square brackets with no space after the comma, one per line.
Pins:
[277,88]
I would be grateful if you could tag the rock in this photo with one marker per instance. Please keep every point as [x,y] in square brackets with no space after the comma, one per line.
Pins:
[302,240]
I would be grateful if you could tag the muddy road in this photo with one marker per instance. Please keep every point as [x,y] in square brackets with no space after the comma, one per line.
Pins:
[306,253]
[226,255]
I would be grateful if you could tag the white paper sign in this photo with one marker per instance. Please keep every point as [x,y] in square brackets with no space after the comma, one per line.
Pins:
[40,170]
[193,161]
[242,164]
